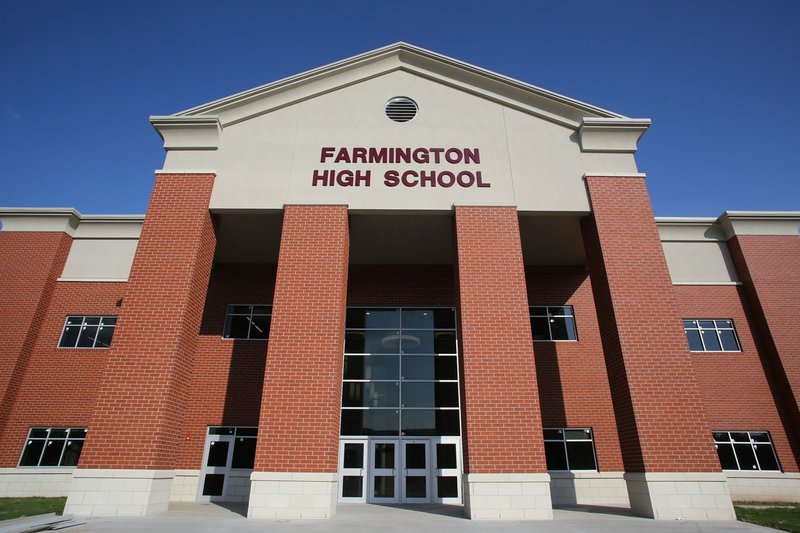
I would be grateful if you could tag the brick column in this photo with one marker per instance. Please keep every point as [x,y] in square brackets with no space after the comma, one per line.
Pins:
[671,468]
[769,267]
[298,432]
[505,468]
[30,263]
[126,466]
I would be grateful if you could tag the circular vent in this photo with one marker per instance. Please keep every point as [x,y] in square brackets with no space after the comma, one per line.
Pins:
[401,109]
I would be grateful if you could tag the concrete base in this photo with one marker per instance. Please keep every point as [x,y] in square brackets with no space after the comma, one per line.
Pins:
[507,497]
[689,496]
[292,495]
[119,492]
[589,488]
[42,482]
[185,486]
[764,487]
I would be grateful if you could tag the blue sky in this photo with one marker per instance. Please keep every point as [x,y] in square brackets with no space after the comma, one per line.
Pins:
[719,78]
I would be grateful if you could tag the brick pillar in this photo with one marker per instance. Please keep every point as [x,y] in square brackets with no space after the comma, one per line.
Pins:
[769,267]
[30,263]
[505,468]
[126,466]
[295,472]
[671,468]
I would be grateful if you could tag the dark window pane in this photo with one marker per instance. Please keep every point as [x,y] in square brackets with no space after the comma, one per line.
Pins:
[429,394]
[376,342]
[429,319]
[87,336]
[370,422]
[246,432]
[384,455]
[58,433]
[104,335]
[72,453]
[92,320]
[74,320]
[244,453]
[766,457]
[581,456]
[221,430]
[77,433]
[237,327]
[562,328]
[729,342]
[446,367]
[711,341]
[721,436]
[69,337]
[352,486]
[759,436]
[32,453]
[370,394]
[445,456]
[555,455]
[541,332]
[706,323]
[377,367]
[740,436]
[553,434]
[420,422]
[52,453]
[39,433]
[353,455]
[259,329]
[689,324]
[747,459]
[538,311]
[384,487]
[416,456]
[372,318]
[416,487]
[447,487]
[724,324]
[727,459]
[444,342]
[239,309]
[213,484]
[695,344]
[262,309]
[217,454]
[577,434]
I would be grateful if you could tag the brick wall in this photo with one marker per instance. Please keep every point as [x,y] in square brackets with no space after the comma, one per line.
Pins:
[228,374]
[572,378]
[768,268]
[501,420]
[60,385]
[299,423]
[143,394]
[30,263]
[659,413]
[733,386]
[402,285]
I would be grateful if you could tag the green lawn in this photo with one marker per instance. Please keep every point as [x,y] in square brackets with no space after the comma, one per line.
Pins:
[785,518]
[17,507]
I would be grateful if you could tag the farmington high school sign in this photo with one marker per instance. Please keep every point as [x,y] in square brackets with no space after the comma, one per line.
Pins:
[348,177]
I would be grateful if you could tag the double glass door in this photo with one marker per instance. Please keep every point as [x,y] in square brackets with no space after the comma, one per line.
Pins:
[381,470]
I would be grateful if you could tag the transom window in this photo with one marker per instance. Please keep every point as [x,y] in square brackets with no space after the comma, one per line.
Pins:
[53,447]
[247,321]
[244,447]
[553,323]
[400,372]
[87,332]
[569,449]
[711,335]
[745,450]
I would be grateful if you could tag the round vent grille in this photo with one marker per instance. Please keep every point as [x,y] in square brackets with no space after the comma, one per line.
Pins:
[401,109]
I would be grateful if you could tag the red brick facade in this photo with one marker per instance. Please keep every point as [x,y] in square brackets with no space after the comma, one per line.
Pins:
[661,420]
[501,416]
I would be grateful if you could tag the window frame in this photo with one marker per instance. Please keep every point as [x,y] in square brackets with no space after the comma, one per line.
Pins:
[716,329]
[565,440]
[82,326]
[753,443]
[48,439]
[548,315]
[226,327]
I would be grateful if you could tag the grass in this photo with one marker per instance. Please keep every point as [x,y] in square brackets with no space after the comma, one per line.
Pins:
[786,518]
[18,507]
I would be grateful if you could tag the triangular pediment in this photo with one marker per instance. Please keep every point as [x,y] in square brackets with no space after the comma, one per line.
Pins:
[406,58]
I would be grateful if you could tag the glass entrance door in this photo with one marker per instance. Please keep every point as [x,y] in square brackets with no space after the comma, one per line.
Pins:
[383,470]
[416,473]
[216,466]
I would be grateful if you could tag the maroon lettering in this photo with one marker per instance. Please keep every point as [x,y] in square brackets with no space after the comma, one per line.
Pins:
[402,155]
[480,180]
[343,156]
[319,177]
[453,155]
[363,179]
[326,153]
[391,178]
[421,155]
[427,177]
[407,182]
[451,179]
[359,153]
[465,178]
[436,153]
[472,156]
[377,155]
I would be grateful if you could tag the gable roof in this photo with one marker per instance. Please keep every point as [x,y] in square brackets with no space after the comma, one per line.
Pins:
[400,57]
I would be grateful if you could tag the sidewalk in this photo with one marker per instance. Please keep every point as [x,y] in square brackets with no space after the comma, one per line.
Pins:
[208,518]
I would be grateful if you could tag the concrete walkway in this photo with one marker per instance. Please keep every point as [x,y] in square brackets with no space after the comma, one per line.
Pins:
[208,518]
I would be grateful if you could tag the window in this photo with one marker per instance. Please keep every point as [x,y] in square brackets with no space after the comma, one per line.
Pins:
[244,447]
[569,449]
[53,447]
[87,332]
[553,323]
[745,450]
[711,335]
[247,321]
